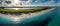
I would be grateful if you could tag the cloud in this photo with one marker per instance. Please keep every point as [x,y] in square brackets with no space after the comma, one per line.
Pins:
[47,3]
[37,0]
[29,1]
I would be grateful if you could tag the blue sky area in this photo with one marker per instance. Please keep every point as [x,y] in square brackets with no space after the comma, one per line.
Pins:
[44,2]
[47,2]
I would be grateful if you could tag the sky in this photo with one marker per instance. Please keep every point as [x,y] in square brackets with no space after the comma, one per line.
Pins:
[42,2]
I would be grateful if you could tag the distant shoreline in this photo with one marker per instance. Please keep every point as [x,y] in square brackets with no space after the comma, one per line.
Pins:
[2,10]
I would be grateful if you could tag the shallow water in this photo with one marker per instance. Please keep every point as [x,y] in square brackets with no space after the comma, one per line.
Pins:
[56,19]
[42,19]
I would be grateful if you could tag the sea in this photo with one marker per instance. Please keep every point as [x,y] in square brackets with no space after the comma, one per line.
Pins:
[49,18]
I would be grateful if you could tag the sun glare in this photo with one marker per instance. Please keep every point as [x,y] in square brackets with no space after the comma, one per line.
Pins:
[16,8]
